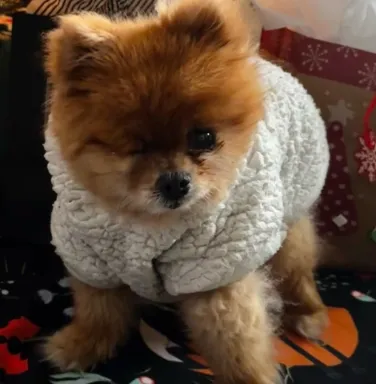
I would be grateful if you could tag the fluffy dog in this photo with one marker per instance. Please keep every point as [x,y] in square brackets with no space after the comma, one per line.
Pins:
[185,168]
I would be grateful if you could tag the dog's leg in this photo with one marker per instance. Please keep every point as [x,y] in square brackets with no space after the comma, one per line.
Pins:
[102,320]
[232,329]
[293,267]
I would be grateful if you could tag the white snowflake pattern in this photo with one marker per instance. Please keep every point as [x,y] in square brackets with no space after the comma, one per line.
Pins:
[367,160]
[315,57]
[341,111]
[347,51]
[368,76]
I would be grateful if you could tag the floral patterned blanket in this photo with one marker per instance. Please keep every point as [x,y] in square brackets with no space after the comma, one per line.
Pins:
[35,300]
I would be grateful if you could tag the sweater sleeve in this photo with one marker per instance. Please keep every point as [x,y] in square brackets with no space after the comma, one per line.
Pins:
[302,136]
[77,254]
[307,160]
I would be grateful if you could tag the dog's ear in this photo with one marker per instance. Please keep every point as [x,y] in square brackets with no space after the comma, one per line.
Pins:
[215,22]
[75,48]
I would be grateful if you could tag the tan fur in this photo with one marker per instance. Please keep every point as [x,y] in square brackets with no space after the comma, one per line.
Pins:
[232,329]
[125,95]
[102,320]
[293,268]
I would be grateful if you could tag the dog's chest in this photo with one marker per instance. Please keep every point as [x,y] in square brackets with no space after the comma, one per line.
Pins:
[132,243]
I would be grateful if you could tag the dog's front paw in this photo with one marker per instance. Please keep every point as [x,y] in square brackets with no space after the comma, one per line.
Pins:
[311,326]
[73,348]
[267,378]
[258,373]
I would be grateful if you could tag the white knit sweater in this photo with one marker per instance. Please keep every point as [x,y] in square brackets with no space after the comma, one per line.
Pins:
[278,182]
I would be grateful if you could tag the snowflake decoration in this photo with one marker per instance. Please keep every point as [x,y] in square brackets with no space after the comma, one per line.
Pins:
[367,160]
[347,51]
[341,112]
[315,57]
[368,76]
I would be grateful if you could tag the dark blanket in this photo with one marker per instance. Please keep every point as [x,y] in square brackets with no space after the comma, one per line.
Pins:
[35,300]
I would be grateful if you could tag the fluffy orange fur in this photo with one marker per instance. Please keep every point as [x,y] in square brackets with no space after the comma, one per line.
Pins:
[125,95]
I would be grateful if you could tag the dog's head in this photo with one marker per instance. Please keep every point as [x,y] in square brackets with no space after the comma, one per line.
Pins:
[154,114]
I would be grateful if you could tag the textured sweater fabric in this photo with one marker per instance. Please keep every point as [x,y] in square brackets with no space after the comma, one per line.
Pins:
[278,182]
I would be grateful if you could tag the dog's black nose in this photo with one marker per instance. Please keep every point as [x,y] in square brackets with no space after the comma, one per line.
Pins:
[173,185]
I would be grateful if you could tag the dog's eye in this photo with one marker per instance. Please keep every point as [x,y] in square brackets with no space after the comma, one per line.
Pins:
[141,148]
[136,152]
[201,140]
[120,150]
[97,142]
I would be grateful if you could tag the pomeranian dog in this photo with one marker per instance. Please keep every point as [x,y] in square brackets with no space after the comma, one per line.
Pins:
[186,169]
